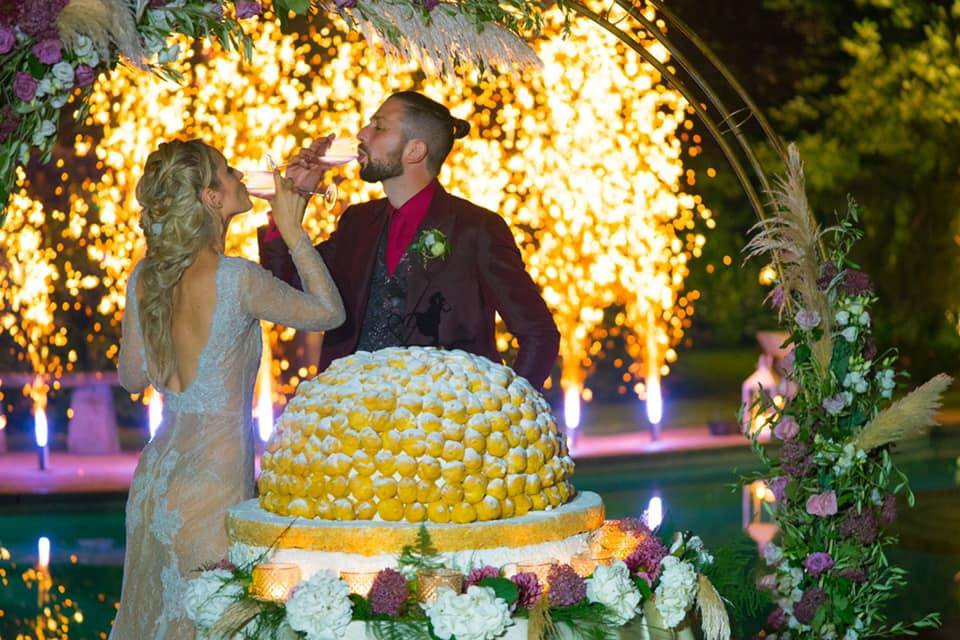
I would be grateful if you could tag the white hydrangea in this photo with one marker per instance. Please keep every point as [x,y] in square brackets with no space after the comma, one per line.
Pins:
[696,545]
[677,590]
[477,614]
[320,607]
[209,595]
[612,587]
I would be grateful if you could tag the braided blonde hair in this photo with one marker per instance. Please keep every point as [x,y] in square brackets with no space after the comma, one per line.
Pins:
[177,225]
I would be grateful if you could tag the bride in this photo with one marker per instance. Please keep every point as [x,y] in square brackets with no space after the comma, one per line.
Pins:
[192,330]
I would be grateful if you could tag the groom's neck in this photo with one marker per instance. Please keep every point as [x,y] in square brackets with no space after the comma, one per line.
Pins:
[402,188]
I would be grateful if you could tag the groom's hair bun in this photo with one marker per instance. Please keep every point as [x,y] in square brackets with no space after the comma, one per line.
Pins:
[430,121]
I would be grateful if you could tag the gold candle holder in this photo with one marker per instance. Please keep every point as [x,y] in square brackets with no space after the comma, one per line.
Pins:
[274,581]
[359,582]
[430,580]
[583,563]
[539,569]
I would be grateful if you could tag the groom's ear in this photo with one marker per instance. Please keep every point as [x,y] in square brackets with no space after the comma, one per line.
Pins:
[416,151]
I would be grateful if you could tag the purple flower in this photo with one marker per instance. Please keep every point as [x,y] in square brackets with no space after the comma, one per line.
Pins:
[888,511]
[777,619]
[827,273]
[835,404]
[768,582]
[806,609]
[85,75]
[795,458]
[818,562]
[822,504]
[9,121]
[870,349]
[158,4]
[858,576]
[567,588]
[24,86]
[345,4]
[860,526]
[856,282]
[7,40]
[647,556]
[787,428]
[529,588]
[48,51]
[778,486]
[808,319]
[39,18]
[430,4]
[777,299]
[10,12]
[247,9]
[477,575]
[388,593]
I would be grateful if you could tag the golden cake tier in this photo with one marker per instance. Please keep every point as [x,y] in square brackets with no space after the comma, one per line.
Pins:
[417,435]
[250,525]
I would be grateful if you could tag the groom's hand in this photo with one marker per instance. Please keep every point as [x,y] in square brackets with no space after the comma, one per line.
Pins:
[307,168]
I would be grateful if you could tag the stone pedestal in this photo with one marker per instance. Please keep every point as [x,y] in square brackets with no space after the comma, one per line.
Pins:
[93,428]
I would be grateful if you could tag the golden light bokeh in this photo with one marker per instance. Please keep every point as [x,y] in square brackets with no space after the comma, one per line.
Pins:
[584,159]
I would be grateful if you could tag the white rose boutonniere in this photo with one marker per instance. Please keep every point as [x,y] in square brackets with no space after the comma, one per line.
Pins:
[431,244]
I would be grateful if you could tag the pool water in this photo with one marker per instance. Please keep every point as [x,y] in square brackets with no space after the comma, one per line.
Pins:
[694,489]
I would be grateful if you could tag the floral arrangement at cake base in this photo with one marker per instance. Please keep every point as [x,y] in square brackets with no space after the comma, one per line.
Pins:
[629,578]
[829,463]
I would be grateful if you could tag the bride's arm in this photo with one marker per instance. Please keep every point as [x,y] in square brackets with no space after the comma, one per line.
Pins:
[132,365]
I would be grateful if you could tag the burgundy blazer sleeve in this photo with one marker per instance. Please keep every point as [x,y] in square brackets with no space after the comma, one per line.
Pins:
[275,256]
[516,297]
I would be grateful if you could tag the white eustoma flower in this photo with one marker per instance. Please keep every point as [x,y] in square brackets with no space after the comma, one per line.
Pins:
[850,334]
[44,87]
[169,55]
[477,614]
[63,75]
[772,554]
[864,319]
[209,595]
[842,317]
[612,587]
[677,590]
[58,101]
[856,308]
[320,607]
[46,129]
[83,49]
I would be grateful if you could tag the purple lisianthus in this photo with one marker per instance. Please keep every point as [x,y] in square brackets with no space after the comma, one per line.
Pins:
[778,486]
[475,576]
[860,526]
[787,428]
[823,504]
[806,609]
[48,51]
[567,588]
[529,589]
[808,319]
[857,576]
[888,511]
[9,121]
[827,273]
[835,404]
[247,9]
[388,593]
[24,86]
[818,562]
[7,40]
[85,75]
[777,619]
[856,282]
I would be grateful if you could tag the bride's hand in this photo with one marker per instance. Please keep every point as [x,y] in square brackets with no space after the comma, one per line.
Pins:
[306,168]
[288,207]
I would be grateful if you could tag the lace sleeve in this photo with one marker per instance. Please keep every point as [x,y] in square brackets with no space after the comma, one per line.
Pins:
[132,365]
[317,308]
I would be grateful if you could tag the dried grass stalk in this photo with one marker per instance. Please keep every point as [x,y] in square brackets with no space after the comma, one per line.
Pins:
[234,619]
[912,415]
[714,621]
[105,22]
[792,236]
[539,622]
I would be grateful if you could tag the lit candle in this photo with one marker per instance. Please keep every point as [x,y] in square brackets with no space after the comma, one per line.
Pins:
[274,581]
[359,582]
[540,569]
[43,553]
[430,580]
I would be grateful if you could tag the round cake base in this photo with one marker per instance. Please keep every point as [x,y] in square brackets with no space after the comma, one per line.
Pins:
[369,545]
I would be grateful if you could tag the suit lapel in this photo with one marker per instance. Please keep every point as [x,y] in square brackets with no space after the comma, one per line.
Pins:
[438,217]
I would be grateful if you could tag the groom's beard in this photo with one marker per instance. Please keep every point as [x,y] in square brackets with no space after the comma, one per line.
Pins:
[376,171]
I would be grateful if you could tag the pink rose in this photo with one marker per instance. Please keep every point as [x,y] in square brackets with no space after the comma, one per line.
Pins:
[787,428]
[822,504]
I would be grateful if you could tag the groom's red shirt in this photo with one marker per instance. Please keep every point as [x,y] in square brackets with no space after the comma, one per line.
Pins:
[483,275]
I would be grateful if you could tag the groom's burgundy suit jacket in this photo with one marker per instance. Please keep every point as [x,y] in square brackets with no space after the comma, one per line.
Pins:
[450,301]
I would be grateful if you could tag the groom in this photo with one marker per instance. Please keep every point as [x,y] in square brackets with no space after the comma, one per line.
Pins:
[420,267]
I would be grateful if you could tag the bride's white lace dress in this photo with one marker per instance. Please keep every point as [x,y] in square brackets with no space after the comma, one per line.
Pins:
[201,460]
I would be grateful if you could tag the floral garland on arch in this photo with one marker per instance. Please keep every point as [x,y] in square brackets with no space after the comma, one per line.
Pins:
[833,479]
[51,51]
[638,579]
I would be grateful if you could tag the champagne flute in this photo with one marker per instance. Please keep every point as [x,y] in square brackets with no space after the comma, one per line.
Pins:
[341,151]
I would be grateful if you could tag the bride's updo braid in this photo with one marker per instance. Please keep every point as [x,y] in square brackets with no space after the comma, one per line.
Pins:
[176,225]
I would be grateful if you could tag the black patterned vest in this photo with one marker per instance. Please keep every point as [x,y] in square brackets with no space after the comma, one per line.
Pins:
[384,321]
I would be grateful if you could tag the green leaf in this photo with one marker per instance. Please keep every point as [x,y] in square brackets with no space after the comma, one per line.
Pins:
[361,607]
[802,354]
[505,589]
[840,359]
